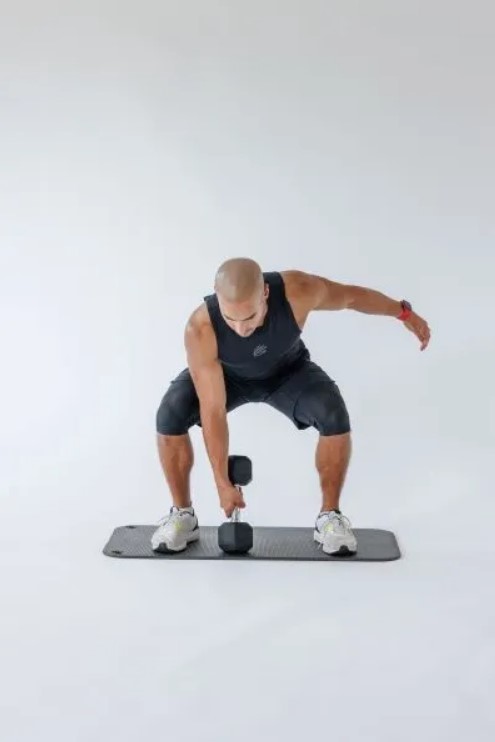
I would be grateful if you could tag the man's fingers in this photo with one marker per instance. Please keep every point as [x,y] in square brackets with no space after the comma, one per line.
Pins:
[425,339]
[421,330]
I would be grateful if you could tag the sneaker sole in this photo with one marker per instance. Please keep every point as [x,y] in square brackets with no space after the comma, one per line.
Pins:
[164,548]
[341,548]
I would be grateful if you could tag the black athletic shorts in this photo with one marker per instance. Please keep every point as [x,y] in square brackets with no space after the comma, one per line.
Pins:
[305,394]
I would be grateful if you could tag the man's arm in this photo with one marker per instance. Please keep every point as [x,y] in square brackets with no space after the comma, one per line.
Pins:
[207,375]
[321,293]
[316,293]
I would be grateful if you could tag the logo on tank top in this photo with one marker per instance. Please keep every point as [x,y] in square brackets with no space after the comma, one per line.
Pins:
[259,350]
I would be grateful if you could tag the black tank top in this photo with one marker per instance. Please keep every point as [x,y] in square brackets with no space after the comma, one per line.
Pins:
[271,348]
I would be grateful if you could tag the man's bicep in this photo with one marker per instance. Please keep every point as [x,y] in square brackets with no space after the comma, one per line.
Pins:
[205,369]
[210,386]
[316,292]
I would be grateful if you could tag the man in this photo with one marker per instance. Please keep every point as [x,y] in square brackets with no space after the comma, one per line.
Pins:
[243,345]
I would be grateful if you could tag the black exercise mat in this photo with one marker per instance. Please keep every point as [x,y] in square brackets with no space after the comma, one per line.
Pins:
[290,544]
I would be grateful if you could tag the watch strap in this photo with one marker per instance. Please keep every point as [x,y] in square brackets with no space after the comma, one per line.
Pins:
[406,310]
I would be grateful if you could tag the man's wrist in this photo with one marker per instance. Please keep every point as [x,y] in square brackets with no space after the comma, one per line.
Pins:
[405,310]
[221,479]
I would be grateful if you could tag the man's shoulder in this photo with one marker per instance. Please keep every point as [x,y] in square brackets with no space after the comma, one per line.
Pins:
[199,319]
[295,280]
[199,332]
[298,291]
[299,286]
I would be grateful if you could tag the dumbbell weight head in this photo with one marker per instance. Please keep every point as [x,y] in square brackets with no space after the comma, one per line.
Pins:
[240,470]
[235,537]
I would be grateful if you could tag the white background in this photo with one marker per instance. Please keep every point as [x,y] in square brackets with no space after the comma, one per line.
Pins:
[141,144]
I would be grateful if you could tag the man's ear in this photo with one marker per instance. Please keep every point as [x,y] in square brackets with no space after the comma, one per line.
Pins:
[267,290]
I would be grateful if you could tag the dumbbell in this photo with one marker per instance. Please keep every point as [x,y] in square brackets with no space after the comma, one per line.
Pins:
[235,537]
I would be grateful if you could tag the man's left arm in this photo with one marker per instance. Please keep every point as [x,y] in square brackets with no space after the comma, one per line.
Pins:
[321,293]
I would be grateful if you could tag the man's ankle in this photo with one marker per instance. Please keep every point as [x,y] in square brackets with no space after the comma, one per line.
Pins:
[183,508]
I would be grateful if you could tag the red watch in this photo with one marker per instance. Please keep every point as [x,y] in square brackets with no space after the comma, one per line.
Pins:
[406,310]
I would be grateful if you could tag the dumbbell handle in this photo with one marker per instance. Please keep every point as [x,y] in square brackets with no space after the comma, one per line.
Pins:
[236,515]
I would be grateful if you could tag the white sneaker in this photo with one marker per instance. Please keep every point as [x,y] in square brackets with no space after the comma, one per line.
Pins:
[333,531]
[177,529]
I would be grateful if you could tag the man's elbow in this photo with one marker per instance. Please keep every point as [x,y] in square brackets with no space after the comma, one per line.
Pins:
[339,296]
[350,294]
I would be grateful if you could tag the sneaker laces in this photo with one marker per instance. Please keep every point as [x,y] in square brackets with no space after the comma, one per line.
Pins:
[173,512]
[343,523]
[168,517]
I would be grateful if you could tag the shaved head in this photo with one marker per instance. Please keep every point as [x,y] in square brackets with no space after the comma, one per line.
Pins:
[242,295]
[239,280]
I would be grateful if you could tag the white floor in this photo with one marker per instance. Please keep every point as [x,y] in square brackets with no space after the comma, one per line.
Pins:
[95,648]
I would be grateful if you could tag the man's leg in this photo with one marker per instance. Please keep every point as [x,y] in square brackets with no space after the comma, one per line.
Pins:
[178,410]
[177,459]
[310,398]
[333,453]
[332,529]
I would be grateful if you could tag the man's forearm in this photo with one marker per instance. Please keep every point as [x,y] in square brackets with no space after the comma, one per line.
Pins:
[373,302]
[216,438]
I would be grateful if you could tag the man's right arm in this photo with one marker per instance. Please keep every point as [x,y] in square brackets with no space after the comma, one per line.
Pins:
[207,375]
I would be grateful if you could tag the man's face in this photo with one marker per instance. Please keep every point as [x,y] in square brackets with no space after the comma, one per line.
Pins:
[244,317]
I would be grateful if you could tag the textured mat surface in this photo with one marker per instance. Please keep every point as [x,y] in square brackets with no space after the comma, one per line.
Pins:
[292,544]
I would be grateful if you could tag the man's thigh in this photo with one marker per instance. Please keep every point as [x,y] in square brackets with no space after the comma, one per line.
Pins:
[310,398]
[179,408]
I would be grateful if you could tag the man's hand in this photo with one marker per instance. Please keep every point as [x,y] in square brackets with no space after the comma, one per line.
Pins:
[419,327]
[230,498]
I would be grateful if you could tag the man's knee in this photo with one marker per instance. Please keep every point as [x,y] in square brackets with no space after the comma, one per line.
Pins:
[332,417]
[324,408]
[169,421]
[177,412]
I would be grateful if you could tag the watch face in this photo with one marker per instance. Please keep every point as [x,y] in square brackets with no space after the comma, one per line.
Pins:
[406,305]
